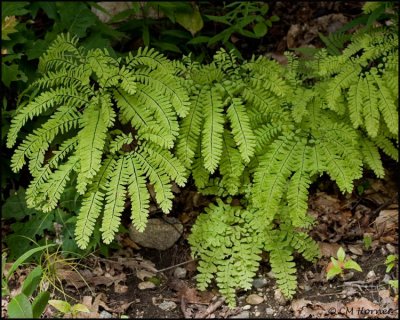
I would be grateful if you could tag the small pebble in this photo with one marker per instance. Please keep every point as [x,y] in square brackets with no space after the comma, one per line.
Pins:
[167,305]
[259,283]
[386,279]
[254,299]
[391,248]
[257,313]
[269,311]
[371,275]
[180,273]
[246,307]
[105,315]
[307,287]
[242,315]
[280,299]
[146,285]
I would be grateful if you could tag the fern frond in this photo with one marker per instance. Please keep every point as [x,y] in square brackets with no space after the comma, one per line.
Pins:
[160,106]
[159,178]
[115,200]
[164,159]
[148,57]
[372,157]
[212,130]
[62,54]
[91,143]
[370,111]
[284,270]
[387,146]
[190,129]
[386,103]
[138,193]
[61,121]
[141,118]
[356,103]
[342,81]
[52,190]
[231,167]
[119,141]
[168,85]
[241,129]
[92,204]
[42,103]
[297,193]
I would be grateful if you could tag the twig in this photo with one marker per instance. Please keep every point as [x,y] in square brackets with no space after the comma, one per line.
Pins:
[183,308]
[212,308]
[177,265]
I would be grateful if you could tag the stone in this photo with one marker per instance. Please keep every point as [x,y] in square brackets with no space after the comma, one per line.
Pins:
[371,276]
[269,311]
[257,313]
[180,273]
[160,234]
[259,283]
[105,315]
[146,285]
[246,307]
[386,278]
[254,299]
[167,305]
[242,315]
[279,297]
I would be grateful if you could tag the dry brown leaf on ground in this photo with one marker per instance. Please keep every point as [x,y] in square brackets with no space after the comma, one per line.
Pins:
[328,249]
[144,274]
[72,278]
[356,249]
[314,309]
[361,308]
[387,221]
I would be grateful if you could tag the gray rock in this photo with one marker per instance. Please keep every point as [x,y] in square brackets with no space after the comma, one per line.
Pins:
[269,311]
[386,279]
[246,307]
[242,315]
[180,273]
[105,315]
[167,305]
[259,283]
[160,234]
[254,299]
[146,285]
[279,297]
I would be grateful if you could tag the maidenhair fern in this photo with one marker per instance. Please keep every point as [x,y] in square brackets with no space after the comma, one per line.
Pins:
[331,114]
[256,129]
[119,118]
[229,241]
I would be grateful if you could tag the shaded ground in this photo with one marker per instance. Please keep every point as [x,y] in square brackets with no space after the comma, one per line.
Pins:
[370,212]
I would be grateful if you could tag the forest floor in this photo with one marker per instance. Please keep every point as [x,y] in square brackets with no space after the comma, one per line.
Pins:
[146,283]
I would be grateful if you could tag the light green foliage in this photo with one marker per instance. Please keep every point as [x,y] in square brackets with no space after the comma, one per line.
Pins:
[79,87]
[229,240]
[339,265]
[329,114]
[229,246]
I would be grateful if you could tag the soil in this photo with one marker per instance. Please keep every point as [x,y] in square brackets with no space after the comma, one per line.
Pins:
[341,221]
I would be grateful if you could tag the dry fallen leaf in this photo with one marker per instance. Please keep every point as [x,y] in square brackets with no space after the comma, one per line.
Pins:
[356,249]
[328,249]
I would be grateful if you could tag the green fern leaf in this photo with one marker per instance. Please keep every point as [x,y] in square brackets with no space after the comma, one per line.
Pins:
[138,193]
[241,129]
[190,129]
[91,143]
[115,200]
[212,130]
[92,204]
[159,178]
